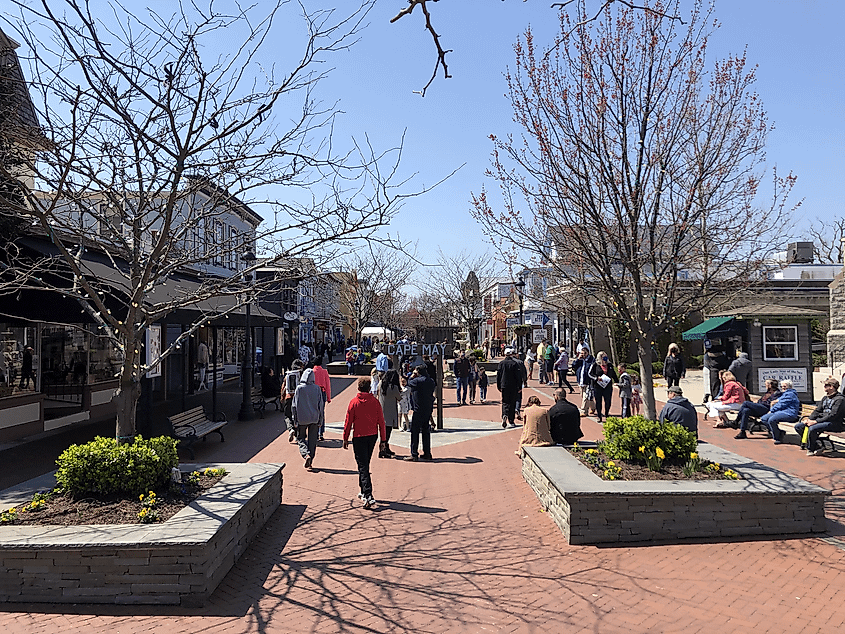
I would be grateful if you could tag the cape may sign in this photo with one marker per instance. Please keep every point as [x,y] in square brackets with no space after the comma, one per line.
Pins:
[415,349]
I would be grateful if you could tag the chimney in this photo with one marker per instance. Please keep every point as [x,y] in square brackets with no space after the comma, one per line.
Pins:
[799,253]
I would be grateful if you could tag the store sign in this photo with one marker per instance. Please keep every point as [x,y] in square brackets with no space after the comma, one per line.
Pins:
[798,376]
[510,322]
[153,345]
[538,335]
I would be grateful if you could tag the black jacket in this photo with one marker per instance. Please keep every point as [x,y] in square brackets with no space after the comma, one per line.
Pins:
[831,409]
[422,394]
[565,422]
[510,375]
[674,367]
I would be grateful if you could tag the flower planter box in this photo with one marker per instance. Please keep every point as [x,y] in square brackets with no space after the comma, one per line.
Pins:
[180,561]
[589,510]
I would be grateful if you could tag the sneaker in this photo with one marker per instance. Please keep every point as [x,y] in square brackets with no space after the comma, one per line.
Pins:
[368,502]
[320,439]
[740,435]
[815,452]
[292,436]
[371,500]
[504,422]
[412,458]
[361,497]
[308,462]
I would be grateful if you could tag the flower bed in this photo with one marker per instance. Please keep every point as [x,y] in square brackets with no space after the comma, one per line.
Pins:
[693,469]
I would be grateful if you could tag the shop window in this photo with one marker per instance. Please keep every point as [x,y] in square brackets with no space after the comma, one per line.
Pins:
[104,358]
[780,343]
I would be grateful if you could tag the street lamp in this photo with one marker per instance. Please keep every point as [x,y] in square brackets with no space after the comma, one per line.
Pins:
[520,286]
[246,412]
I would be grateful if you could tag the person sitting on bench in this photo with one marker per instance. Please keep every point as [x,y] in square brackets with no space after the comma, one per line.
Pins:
[785,409]
[828,416]
[751,409]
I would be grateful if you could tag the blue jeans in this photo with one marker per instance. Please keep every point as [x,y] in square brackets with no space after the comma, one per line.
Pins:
[462,382]
[748,410]
[815,430]
[772,419]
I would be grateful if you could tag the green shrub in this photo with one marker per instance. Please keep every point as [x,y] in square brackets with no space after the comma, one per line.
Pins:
[104,466]
[656,368]
[625,436]
[696,361]
[478,353]
[819,359]
[368,357]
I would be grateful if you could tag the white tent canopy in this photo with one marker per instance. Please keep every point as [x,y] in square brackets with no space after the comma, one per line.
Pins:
[378,331]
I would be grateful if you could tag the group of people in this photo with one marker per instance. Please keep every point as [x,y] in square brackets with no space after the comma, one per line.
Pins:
[375,410]
[543,427]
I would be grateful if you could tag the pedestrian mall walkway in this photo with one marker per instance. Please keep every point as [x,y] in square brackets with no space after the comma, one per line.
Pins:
[461,545]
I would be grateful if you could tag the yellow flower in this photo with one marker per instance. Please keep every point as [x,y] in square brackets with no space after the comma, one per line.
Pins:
[716,466]
[642,449]
[611,464]
[693,456]
[660,453]
[152,494]
[141,497]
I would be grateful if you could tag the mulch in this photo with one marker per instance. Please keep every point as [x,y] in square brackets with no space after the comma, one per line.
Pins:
[639,471]
[63,510]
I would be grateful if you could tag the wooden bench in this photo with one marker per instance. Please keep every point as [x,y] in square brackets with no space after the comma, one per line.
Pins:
[260,403]
[190,426]
[825,436]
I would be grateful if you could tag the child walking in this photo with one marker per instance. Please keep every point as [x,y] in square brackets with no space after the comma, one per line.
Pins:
[625,390]
[405,402]
[636,394]
[483,382]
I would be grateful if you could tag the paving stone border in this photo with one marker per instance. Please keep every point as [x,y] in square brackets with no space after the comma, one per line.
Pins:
[180,561]
[589,510]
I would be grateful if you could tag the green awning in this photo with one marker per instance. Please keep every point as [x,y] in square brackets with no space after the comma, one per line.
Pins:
[707,326]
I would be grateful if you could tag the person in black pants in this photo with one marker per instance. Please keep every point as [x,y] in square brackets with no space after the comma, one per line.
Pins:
[365,424]
[510,377]
[422,402]
[601,370]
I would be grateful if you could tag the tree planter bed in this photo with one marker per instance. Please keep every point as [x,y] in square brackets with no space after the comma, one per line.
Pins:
[589,510]
[180,561]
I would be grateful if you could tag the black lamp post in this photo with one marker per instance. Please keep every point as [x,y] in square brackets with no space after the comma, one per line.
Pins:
[246,412]
[520,286]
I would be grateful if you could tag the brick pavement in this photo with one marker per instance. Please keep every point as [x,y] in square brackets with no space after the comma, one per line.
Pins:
[461,545]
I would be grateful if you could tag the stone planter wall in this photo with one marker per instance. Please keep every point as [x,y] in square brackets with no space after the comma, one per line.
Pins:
[180,561]
[589,510]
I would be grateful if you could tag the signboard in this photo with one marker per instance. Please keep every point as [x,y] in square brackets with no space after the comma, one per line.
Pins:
[537,335]
[512,321]
[798,376]
[153,345]
[280,341]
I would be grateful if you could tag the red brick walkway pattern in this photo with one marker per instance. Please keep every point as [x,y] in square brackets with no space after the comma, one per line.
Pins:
[461,545]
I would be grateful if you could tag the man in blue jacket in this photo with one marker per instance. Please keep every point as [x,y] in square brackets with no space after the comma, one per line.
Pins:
[786,409]
[829,415]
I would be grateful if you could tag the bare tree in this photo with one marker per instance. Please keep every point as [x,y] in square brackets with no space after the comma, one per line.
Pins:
[636,176]
[828,238]
[422,312]
[151,143]
[440,58]
[454,279]
[377,277]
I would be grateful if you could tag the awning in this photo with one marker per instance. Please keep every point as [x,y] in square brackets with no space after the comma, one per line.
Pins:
[716,325]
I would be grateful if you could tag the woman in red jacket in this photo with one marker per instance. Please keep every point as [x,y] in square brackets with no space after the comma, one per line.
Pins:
[732,398]
[365,422]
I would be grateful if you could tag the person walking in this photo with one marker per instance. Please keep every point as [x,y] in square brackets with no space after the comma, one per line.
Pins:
[322,378]
[582,367]
[422,402]
[365,424]
[291,381]
[562,367]
[389,395]
[541,363]
[309,404]
[510,377]
[603,376]
[483,382]
[472,379]
[462,377]
[674,368]
[549,358]
[625,390]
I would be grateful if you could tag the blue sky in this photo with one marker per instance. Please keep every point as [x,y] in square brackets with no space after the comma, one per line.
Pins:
[797,44]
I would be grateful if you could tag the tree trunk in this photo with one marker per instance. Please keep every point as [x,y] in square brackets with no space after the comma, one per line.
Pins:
[128,392]
[644,338]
